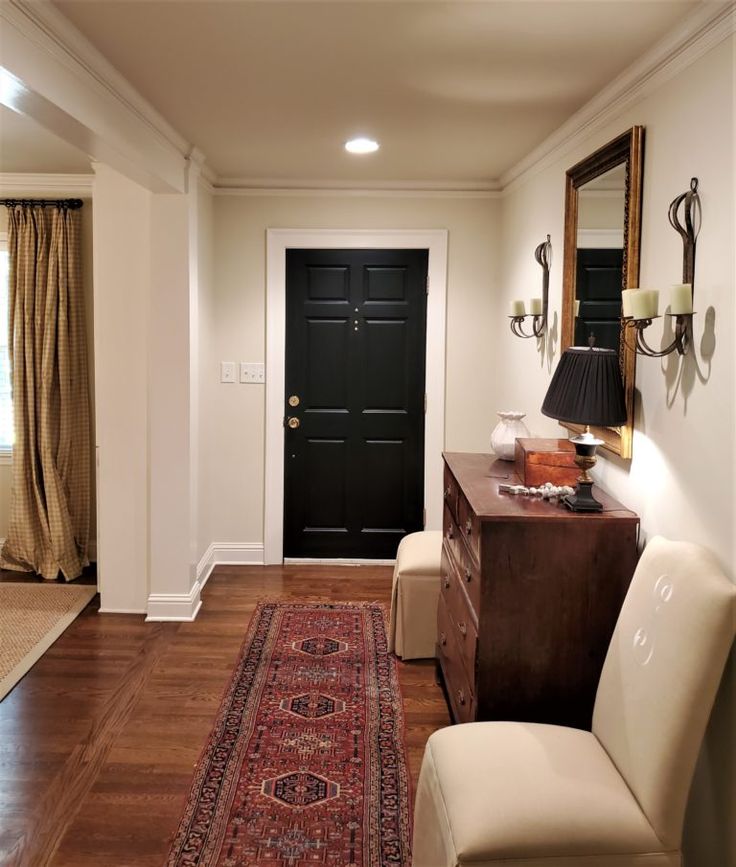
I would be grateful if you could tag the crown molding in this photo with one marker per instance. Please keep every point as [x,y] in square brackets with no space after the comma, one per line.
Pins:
[702,30]
[47,184]
[376,189]
[59,37]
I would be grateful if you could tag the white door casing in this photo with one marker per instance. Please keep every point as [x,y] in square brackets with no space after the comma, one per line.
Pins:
[277,243]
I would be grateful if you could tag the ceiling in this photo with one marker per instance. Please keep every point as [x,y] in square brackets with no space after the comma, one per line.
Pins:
[26,147]
[453,91]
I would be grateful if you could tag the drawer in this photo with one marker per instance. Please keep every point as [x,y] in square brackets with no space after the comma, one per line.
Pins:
[462,699]
[469,526]
[469,574]
[451,533]
[460,619]
[451,492]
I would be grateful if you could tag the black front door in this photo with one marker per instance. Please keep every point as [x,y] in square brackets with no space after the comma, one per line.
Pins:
[354,409]
[598,289]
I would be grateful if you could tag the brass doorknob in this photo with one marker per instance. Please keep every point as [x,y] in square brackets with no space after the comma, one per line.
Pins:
[293,422]
[294,400]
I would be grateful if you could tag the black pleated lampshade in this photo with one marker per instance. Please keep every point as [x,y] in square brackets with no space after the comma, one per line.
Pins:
[587,388]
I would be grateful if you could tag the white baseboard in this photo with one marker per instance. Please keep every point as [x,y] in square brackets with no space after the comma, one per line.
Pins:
[336,561]
[122,611]
[174,606]
[231,553]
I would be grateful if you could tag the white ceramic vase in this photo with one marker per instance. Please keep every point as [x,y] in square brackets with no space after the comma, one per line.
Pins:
[503,438]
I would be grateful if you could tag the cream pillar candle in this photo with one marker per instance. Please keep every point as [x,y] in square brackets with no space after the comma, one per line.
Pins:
[518,308]
[536,307]
[681,299]
[626,297]
[653,303]
[642,304]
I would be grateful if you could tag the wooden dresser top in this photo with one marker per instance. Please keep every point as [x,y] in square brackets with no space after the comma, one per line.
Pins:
[479,476]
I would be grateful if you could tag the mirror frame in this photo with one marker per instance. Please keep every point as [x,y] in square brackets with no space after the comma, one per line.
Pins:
[627,149]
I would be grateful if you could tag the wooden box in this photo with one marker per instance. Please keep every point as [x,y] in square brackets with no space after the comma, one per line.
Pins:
[546,460]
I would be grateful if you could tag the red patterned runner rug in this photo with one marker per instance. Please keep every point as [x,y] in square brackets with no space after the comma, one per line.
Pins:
[305,764]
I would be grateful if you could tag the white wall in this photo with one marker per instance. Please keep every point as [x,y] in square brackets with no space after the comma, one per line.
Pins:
[205,284]
[87,289]
[232,431]
[122,234]
[681,477]
[146,293]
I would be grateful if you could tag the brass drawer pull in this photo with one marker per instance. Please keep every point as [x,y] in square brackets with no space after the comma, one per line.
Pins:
[446,582]
[449,532]
[461,697]
[448,491]
[468,526]
[443,639]
[463,628]
[468,575]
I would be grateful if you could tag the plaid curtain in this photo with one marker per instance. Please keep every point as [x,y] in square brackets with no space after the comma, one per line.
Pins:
[50,499]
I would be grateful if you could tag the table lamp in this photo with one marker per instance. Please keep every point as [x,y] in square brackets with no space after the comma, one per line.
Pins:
[586,388]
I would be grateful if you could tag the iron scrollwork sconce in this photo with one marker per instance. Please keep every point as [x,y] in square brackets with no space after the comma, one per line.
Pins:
[683,321]
[539,320]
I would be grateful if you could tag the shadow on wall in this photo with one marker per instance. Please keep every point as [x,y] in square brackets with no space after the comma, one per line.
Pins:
[547,344]
[712,815]
[683,371]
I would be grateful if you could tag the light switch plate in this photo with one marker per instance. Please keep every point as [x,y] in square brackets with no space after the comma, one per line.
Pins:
[227,371]
[252,372]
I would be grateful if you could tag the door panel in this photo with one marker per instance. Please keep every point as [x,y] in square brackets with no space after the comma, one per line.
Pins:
[327,377]
[355,357]
[326,501]
[598,288]
[383,462]
[385,364]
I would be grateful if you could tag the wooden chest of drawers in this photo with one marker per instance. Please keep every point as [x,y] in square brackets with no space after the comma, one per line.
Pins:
[530,593]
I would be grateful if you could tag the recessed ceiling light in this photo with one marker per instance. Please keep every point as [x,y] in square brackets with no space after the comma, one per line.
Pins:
[361,146]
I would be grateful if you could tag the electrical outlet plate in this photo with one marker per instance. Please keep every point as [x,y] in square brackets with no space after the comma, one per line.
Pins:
[252,372]
[227,371]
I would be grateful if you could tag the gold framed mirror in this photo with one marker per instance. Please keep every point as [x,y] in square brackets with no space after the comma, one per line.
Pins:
[601,257]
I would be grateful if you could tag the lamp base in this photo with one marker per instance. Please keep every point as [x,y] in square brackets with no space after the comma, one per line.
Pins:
[583,500]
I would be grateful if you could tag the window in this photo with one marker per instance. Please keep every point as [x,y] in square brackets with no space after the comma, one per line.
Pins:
[6,403]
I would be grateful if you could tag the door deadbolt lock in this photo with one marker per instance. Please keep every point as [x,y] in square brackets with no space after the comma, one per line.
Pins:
[293,422]
[294,400]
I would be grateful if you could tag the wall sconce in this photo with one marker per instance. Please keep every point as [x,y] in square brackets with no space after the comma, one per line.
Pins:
[538,311]
[640,307]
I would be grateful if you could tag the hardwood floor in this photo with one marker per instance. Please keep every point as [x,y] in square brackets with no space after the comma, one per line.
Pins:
[88,576]
[98,742]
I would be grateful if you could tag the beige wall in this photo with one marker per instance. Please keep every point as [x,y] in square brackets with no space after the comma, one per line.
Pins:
[87,285]
[232,433]
[601,211]
[681,477]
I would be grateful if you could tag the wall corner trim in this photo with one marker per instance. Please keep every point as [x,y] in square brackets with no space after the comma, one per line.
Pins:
[174,606]
[228,553]
[39,184]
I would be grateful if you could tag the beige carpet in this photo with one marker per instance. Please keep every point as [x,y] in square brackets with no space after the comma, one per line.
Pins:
[32,617]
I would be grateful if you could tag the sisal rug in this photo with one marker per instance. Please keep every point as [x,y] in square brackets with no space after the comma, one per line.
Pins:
[305,764]
[32,617]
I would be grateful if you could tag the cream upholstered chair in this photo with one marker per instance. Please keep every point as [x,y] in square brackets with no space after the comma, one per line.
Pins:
[530,795]
[415,594]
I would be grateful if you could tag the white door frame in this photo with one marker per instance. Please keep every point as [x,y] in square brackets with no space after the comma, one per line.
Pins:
[278,241]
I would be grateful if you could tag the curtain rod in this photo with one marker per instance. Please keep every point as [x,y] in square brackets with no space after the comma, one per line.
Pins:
[71,204]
